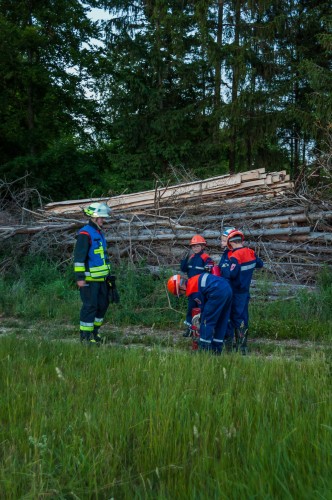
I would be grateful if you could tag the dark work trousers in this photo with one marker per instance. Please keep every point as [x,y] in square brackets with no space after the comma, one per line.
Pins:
[189,313]
[95,304]
[215,316]
[240,310]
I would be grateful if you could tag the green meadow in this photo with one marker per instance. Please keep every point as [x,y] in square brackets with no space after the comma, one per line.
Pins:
[143,416]
[135,423]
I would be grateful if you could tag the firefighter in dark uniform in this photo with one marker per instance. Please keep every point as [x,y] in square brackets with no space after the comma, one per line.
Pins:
[195,262]
[213,295]
[242,263]
[92,268]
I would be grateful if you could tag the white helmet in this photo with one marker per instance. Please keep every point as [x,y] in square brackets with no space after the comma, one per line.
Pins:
[97,210]
[227,230]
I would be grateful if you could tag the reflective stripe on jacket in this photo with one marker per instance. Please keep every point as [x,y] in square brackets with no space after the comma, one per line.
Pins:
[242,263]
[91,260]
[195,264]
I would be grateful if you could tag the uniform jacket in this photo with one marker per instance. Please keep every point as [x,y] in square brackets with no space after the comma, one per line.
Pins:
[91,262]
[224,260]
[242,263]
[199,287]
[195,264]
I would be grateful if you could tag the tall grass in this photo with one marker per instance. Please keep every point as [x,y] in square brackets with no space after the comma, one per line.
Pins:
[117,423]
[40,291]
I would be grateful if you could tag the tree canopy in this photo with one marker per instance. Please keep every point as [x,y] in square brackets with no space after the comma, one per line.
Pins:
[91,107]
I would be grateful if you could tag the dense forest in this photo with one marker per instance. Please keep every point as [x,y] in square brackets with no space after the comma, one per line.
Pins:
[157,87]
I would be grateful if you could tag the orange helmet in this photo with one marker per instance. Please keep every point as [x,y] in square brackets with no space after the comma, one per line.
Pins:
[234,235]
[197,240]
[173,284]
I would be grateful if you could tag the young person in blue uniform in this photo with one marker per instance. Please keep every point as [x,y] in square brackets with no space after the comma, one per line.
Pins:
[239,270]
[224,262]
[225,250]
[92,269]
[195,262]
[213,295]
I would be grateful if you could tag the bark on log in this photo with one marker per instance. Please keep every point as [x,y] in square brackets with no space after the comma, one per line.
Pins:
[292,232]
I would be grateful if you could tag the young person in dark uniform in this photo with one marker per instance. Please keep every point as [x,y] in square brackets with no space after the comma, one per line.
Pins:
[242,263]
[213,295]
[195,262]
[224,262]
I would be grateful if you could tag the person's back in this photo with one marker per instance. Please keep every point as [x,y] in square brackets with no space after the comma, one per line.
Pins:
[242,263]
[239,270]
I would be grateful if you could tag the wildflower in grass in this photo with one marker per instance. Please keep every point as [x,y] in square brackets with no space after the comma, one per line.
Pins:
[59,373]
[229,432]
[224,372]
[41,444]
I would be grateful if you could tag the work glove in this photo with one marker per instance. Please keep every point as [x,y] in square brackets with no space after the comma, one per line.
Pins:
[113,293]
[196,320]
[208,268]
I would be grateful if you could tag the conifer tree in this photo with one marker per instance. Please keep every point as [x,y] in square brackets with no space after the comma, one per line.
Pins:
[46,61]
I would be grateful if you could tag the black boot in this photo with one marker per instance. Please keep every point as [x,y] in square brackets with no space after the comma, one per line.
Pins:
[97,338]
[228,342]
[85,336]
[187,332]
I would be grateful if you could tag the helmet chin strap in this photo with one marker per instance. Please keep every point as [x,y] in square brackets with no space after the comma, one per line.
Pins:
[94,220]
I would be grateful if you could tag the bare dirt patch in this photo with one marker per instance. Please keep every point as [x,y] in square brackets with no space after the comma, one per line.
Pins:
[146,337]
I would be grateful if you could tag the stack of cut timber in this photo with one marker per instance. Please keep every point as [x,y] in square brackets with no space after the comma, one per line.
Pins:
[291,232]
[251,183]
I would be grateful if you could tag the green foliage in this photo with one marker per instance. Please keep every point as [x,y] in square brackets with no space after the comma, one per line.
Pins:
[119,423]
[42,100]
[41,290]
[325,279]
[304,316]
[37,290]
[145,300]
[211,86]
[64,170]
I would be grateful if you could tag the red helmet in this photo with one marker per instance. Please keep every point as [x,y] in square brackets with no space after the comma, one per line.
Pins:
[234,235]
[197,240]
[173,284]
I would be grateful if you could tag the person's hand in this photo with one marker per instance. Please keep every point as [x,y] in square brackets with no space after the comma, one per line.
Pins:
[81,283]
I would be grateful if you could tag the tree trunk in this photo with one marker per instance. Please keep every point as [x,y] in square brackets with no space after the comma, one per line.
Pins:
[217,91]
[235,86]
[30,104]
